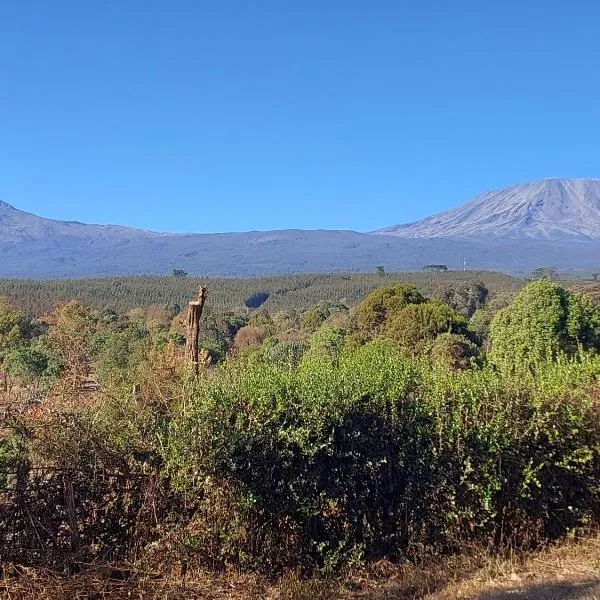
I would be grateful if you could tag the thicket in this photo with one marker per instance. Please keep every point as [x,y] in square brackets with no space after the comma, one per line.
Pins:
[313,439]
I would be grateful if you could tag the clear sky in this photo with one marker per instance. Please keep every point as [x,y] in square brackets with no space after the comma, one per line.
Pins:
[238,115]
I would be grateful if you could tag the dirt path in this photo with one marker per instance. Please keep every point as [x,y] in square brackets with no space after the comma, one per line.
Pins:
[571,571]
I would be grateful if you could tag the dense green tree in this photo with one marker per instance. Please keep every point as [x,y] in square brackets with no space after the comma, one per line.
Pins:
[32,364]
[286,320]
[120,351]
[544,321]
[287,352]
[415,326]
[373,313]
[481,320]
[263,320]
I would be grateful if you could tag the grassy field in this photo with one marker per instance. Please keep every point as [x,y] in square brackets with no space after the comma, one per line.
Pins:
[285,292]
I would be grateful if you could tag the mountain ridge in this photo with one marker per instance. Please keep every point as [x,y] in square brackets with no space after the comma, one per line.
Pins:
[548,222]
[552,208]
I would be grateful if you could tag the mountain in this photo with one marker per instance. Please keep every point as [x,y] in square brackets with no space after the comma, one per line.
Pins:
[551,209]
[551,222]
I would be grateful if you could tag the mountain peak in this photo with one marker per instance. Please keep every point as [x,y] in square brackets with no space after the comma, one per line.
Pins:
[552,208]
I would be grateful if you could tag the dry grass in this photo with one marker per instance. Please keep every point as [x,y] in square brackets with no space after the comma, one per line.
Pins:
[570,570]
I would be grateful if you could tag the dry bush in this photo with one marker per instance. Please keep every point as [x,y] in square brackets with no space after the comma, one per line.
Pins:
[248,337]
[569,570]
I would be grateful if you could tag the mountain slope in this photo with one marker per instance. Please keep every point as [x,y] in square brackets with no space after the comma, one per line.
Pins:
[553,222]
[18,226]
[553,209]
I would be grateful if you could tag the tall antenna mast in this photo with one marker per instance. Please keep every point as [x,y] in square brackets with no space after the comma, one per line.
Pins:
[465,263]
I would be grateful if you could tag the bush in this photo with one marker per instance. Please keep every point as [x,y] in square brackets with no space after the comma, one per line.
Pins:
[375,455]
[247,337]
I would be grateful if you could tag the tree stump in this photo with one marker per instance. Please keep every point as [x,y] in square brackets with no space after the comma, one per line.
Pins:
[195,308]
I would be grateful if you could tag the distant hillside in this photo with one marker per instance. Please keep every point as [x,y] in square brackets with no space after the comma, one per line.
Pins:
[551,222]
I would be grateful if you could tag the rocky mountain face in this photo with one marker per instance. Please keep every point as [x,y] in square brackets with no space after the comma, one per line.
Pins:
[551,222]
[551,209]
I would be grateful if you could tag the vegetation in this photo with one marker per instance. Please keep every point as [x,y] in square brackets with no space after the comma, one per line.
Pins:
[439,268]
[297,292]
[545,321]
[315,438]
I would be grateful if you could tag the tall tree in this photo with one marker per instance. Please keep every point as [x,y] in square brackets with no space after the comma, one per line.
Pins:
[544,320]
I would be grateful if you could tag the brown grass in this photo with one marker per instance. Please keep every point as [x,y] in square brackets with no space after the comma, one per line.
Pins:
[570,570]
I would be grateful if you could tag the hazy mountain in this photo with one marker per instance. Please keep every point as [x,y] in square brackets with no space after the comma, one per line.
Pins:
[552,209]
[552,222]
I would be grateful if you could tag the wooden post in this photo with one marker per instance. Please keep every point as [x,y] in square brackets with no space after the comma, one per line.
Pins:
[195,308]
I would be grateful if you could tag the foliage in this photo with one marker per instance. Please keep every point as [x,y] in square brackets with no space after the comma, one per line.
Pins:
[373,312]
[311,448]
[313,318]
[327,343]
[464,298]
[286,353]
[248,337]
[32,363]
[415,326]
[10,328]
[544,321]
[71,339]
[375,455]
[297,292]
[454,351]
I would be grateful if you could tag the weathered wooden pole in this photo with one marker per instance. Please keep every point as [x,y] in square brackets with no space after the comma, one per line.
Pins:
[195,308]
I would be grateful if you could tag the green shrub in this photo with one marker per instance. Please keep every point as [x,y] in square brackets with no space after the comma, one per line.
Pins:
[375,455]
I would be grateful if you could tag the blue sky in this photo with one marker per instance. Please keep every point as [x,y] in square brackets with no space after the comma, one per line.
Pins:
[231,116]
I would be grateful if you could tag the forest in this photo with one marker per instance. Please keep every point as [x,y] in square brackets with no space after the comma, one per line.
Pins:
[294,292]
[334,422]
